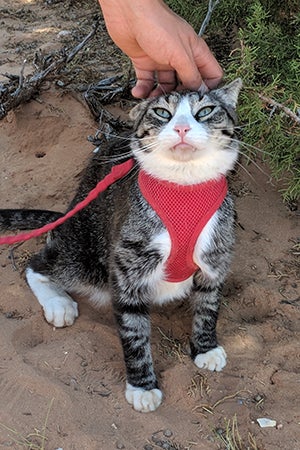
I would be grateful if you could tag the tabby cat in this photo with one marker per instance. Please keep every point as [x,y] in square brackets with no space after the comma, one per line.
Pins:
[128,247]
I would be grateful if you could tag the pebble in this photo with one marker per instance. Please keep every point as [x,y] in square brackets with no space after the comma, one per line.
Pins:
[168,433]
[63,33]
[73,384]
[264,422]
[258,398]
[219,431]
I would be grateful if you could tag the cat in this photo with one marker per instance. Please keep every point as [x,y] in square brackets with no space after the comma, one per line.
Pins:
[118,248]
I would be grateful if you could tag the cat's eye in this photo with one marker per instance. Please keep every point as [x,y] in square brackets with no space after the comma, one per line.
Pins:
[203,113]
[163,113]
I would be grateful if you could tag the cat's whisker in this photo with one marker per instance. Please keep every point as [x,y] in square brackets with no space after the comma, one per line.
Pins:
[246,171]
[250,147]
[254,163]
[148,146]
[246,125]
[116,157]
[108,134]
[102,160]
[133,171]
[127,248]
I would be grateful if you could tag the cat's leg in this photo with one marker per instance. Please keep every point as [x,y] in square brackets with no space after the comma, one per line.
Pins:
[134,329]
[59,308]
[205,351]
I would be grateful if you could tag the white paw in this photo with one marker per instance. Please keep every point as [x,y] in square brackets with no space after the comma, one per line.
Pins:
[214,359]
[59,308]
[142,400]
[60,311]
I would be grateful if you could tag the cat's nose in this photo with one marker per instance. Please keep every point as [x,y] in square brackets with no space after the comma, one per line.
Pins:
[182,129]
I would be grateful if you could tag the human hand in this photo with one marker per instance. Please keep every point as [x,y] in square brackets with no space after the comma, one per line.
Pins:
[165,50]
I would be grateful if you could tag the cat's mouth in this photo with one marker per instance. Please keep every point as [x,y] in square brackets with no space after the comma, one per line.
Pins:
[183,151]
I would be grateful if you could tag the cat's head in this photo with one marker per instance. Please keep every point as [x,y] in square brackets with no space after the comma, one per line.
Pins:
[187,137]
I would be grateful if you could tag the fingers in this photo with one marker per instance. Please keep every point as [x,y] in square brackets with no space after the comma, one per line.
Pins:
[143,87]
[199,67]
[208,66]
[166,82]
[151,83]
[191,71]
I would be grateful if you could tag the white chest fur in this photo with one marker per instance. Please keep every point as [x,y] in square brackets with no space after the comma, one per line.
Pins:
[165,291]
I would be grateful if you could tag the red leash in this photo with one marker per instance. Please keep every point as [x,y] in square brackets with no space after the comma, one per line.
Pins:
[117,172]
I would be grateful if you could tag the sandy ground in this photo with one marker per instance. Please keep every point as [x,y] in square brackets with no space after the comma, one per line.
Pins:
[64,388]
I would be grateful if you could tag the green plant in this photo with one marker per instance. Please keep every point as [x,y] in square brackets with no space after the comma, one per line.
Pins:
[260,42]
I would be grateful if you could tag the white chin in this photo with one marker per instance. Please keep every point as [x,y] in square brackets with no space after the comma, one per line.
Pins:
[183,152]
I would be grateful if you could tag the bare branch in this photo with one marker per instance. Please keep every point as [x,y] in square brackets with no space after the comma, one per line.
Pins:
[275,104]
[11,96]
[211,6]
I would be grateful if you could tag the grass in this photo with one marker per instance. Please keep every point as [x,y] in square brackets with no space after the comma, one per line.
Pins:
[171,347]
[33,441]
[206,408]
[259,41]
[199,386]
[231,439]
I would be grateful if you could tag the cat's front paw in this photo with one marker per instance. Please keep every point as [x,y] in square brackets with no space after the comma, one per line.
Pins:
[142,400]
[214,359]
[60,311]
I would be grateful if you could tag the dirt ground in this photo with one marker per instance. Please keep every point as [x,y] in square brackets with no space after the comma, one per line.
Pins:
[64,388]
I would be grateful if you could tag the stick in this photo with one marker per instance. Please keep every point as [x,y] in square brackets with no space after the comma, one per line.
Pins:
[27,88]
[211,6]
[286,110]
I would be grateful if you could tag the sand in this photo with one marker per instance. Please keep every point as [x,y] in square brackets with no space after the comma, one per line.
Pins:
[64,388]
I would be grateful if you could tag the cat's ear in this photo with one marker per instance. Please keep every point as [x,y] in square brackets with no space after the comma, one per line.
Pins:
[138,110]
[230,92]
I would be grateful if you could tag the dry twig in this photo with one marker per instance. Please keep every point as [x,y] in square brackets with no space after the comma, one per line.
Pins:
[275,104]
[11,97]
[211,6]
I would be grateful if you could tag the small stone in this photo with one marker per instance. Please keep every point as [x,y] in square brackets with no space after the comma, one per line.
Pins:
[219,431]
[73,384]
[40,154]
[63,33]
[148,447]
[166,446]
[265,422]
[119,445]
[168,433]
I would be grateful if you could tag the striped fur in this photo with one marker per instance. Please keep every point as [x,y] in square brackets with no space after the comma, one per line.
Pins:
[117,247]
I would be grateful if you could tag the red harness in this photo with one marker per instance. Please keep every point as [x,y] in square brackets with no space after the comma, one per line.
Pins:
[184,210]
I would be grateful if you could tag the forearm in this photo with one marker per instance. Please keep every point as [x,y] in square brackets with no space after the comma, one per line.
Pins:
[162,46]
[130,17]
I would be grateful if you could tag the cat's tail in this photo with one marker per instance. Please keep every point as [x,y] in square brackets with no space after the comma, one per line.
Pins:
[26,219]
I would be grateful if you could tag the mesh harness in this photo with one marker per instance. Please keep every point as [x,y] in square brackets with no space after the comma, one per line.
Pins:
[184,210]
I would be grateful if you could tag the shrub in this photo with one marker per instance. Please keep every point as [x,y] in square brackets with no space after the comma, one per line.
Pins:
[260,42]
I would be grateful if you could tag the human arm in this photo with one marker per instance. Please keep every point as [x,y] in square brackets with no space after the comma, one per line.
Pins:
[163,47]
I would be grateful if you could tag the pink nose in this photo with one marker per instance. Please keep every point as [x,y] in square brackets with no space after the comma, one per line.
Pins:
[182,129]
